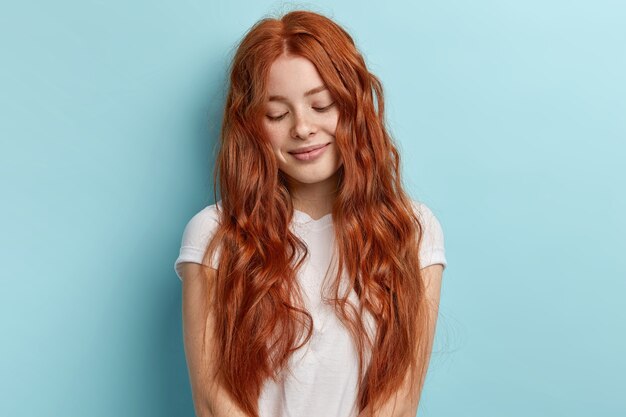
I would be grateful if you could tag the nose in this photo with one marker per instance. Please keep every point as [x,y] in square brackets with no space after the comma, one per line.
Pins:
[303,126]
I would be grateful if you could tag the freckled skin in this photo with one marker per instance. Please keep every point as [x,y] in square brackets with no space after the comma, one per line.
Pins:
[303,121]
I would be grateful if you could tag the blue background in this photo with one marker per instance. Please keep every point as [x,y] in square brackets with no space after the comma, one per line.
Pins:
[510,116]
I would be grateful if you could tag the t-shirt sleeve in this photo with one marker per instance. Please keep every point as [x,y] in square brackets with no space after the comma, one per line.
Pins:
[196,236]
[432,248]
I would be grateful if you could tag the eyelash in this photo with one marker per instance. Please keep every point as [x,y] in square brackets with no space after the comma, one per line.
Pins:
[321,110]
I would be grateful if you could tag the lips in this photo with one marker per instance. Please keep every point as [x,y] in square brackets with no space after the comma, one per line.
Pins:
[308,148]
[310,156]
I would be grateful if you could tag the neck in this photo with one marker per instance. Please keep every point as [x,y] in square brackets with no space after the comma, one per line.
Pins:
[316,199]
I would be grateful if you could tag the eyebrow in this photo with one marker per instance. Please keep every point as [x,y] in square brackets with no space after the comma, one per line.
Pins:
[308,93]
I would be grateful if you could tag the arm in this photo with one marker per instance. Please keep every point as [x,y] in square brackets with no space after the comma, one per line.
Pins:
[406,402]
[210,399]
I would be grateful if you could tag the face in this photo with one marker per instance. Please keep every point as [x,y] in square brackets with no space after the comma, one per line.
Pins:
[301,113]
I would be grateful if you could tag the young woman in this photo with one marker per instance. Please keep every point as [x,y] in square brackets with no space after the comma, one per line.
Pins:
[311,287]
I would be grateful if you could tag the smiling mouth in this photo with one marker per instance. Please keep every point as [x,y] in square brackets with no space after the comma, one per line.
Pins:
[311,155]
[308,149]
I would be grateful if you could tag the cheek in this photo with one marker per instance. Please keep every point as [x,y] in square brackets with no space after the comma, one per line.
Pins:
[331,126]
[273,136]
[275,146]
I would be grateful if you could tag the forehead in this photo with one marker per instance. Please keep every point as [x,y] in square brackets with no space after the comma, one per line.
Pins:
[292,76]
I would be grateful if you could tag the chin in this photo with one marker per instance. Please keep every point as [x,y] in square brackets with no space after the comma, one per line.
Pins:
[307,180]
[304,179]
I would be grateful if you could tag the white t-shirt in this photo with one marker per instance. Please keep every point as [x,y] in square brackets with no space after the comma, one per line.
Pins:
[324,373]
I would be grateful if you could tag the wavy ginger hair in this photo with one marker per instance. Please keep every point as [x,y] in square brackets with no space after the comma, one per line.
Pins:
[257,305]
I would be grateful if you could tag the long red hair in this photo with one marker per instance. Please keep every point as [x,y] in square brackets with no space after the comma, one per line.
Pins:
[258,310]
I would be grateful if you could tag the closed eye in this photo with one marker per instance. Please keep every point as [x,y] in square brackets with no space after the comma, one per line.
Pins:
[277,118]
[318,109]
[323,109]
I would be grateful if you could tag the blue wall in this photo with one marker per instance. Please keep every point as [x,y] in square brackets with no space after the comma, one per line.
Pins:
[510,117]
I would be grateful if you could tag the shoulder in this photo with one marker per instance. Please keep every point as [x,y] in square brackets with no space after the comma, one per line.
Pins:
[430,223]
[422,210]
[196,236]
[432,240]
[204,221]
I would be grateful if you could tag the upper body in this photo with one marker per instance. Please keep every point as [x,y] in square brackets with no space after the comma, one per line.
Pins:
[323,377]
